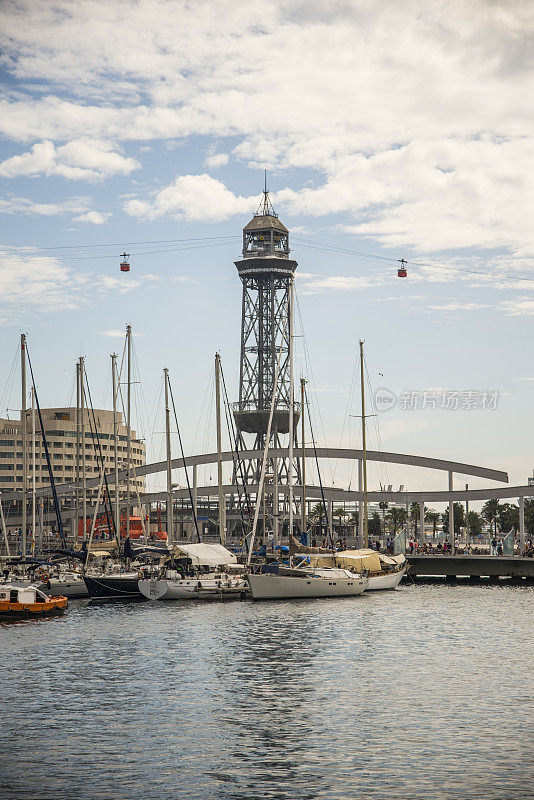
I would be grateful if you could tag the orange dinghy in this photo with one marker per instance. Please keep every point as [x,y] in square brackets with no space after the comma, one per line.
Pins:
[21,602]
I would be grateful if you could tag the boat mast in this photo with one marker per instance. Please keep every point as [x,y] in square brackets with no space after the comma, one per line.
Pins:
[77,446]
[33,471]
[115,440]
[170,531]
[128,433]
[364,447]
[82,427]
[303,459]
[291,410]
[24,439]
[222,515]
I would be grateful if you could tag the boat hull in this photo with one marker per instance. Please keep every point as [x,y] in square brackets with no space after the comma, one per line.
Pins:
[113,587]
[53,607]
[277,587]
[65,588]
[208,588]
[389,580]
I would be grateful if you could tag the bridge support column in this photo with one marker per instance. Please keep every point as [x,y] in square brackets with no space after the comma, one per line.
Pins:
[195,506]
[360,504]
[276,540]
[451,511]
[331,520]
[422,520]
[521,525]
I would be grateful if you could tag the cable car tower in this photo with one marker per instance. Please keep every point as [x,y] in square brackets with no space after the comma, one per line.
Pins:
[266,273]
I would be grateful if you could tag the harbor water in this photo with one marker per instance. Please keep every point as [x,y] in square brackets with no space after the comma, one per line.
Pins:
[426,692]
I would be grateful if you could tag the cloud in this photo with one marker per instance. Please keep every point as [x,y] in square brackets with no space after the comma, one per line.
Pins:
[192,197]
[80,159]
[117,334]
[409,115]
[94,217]
[459,306]
[31,283]
[340,283]
[23,205]
[217,160]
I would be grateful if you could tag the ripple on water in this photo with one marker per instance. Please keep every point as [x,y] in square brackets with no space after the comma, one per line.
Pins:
[425,692]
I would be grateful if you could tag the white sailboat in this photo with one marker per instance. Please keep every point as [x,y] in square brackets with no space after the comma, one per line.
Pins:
[305,583]
[278,582]
[205,571]
[390,571]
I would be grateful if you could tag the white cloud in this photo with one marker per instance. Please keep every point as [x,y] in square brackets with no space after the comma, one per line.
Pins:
[217,160]
[94,217]
[412,114]
[114,334]
[193,197]
[23,205]
[459,306]
[338,283]
[80,159]
[32,283]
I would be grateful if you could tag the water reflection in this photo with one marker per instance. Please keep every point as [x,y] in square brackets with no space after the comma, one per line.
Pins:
[425,693]
[270,697]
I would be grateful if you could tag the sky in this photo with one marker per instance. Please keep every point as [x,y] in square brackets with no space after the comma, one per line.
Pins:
[389,130]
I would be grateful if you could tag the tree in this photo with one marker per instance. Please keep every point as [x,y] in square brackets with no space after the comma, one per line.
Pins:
[432,516]
[354,520]
[316,515]
[397,518]
[474,522]
[373,525]
[490,511]
[508,517]
[414,516]
[459,519]
[529,516]
[340,513]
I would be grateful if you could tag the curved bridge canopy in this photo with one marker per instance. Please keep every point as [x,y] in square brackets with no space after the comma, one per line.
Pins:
[322,453]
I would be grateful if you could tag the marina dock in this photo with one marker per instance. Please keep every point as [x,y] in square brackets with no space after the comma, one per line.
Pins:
[472,566]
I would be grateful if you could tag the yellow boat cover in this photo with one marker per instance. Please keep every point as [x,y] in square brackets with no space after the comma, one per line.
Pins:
[355,560]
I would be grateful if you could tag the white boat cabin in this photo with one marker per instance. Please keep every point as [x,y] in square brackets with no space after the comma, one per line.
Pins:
[10,593]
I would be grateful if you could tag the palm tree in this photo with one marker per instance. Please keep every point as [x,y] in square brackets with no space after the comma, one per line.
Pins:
[475,523]
[414,516]
[397,518]
[433,517]
[340,513]
[490,512]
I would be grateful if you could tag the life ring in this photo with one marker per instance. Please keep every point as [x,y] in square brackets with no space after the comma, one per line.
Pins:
[44,577]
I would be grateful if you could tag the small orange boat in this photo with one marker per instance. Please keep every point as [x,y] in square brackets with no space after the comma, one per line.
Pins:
[25,602]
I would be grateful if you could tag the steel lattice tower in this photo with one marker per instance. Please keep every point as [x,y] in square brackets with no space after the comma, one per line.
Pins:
[266,272]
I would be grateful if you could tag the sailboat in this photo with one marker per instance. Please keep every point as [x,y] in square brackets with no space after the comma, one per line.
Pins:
[201,570]
[383,572]
[120,585]
[278,581]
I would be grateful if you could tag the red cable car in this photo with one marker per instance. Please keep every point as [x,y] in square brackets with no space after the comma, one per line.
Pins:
[125,265]
[402,272]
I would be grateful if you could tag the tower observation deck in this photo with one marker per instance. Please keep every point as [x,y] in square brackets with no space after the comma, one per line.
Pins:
[266,273]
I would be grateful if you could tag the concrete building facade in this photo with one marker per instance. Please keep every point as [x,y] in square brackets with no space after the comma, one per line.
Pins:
[61,434]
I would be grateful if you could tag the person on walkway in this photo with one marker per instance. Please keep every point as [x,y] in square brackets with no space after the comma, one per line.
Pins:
[493,546]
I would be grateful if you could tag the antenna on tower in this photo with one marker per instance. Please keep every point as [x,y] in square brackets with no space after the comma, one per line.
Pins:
[266,207]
